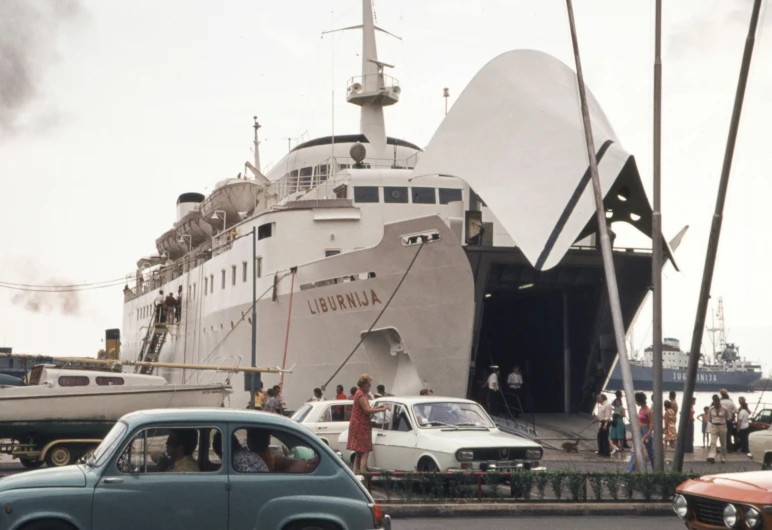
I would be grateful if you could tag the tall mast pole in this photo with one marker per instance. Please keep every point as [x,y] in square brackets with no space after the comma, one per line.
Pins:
[656,261]
[256,126]
[715,233]
[608,258]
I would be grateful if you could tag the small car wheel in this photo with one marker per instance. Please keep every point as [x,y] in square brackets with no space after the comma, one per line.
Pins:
[59,456]
[47,524]
[427,465]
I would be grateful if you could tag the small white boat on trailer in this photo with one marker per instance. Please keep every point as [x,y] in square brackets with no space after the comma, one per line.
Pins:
[62,413]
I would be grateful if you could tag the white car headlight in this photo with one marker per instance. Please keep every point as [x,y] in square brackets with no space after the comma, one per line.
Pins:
[464,455]
[680,506]
[533,454]
[752,518]
[730,515]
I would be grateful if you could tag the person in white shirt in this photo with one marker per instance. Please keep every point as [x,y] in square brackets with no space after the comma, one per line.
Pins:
[159,306]
[492,385]
[604,418]
[514,386]
[731,410]
[744,423]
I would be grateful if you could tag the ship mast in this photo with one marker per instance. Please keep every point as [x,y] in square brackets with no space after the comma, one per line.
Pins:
[374,89]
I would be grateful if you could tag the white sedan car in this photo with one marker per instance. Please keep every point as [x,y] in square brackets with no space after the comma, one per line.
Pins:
[326,419]
[430,433]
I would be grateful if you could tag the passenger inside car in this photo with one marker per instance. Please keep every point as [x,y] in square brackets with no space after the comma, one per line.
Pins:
[258,457]
[180,445]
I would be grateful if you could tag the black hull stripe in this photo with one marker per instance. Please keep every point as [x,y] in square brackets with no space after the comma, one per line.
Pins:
[569,209]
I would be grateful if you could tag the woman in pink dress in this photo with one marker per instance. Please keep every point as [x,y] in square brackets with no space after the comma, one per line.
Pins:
[360,437]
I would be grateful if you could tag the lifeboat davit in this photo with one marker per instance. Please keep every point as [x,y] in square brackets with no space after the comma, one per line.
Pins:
[230,199]
[171,242]
[170,245]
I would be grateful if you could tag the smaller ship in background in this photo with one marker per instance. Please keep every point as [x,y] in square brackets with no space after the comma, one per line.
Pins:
[726,369]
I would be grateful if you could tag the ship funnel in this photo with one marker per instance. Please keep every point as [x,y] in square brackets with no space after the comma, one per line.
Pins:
[187,202]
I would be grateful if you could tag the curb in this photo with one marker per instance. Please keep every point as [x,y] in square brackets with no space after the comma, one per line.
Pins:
[398,511]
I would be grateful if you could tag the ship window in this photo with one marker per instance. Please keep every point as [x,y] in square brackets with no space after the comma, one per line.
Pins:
[321,171]
[366,194]
[244,271]
[259,266]
[343,166]
[424,196]
[109,381]
[341,192]
[448,195]
[206,285]
[233,275]
[211,283]
[223,278]
[328,253]
[306,171]
[194,291]
[264,231]
[394,194]
[73,380]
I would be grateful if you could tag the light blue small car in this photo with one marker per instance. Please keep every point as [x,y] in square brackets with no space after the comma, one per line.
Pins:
[171,469]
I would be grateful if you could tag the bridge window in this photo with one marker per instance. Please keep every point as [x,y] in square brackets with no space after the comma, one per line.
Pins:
[448,195]
[264,231]
[424,196]
[394,194]
[332,252]
[366,194]
[341,192]
[321,171]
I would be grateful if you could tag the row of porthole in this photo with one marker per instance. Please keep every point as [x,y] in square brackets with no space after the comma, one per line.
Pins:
[222,326]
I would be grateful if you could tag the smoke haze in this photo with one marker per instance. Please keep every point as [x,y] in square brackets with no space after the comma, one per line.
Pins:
[28,33]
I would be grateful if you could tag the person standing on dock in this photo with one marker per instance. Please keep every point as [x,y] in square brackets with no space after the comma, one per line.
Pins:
[618,431]
[604,418]
[515,386]
[492,385]
[717,418]
[731,410]
[171,303]
[743,426]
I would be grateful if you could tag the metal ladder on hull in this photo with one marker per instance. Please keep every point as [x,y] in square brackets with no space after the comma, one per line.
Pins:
[152,344]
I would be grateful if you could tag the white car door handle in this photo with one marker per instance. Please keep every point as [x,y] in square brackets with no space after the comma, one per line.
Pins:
[380,434]
[113,480]
[320,427]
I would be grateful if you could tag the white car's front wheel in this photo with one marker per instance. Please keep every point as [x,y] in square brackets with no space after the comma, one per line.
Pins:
[427,465]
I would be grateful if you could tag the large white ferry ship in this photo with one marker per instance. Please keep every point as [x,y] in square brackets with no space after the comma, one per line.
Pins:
[365,237]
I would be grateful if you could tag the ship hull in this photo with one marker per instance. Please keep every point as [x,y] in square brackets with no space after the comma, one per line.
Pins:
[672,379]
[420,339]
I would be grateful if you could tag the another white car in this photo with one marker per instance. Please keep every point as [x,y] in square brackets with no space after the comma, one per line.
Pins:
[326,419]
[430,433]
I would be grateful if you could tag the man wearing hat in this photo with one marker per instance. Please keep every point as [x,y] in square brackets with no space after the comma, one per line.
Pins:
[493,388]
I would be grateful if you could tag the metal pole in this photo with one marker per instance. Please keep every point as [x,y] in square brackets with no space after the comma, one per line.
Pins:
[715,233]
[608,258]
[656,238]
[566,359]
[254,319]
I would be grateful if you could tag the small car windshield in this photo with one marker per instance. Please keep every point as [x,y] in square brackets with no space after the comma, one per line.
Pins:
[301,414]
[451,414]
[108,442]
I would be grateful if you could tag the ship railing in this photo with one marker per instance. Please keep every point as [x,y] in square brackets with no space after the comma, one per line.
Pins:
[295,182]
[369,83]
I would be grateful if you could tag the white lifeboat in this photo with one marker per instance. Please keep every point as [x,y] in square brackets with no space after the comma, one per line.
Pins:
[193,225]
[230,199]
[169,243]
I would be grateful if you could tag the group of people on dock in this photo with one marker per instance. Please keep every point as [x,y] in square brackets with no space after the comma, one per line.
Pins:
[495,394]
[721,422]
[168,309]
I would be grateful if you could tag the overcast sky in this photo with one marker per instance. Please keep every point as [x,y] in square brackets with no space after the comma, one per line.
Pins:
[110,109]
